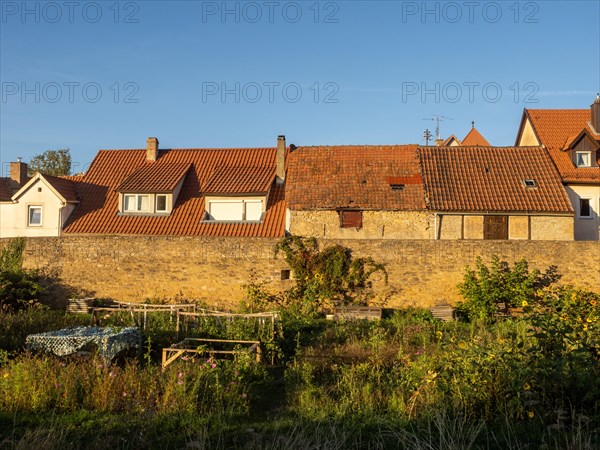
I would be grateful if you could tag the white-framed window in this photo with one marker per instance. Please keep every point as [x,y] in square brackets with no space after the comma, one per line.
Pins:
[583,159]
[136,203]
[34,216]
[238,210]
[585,208]
[161,203]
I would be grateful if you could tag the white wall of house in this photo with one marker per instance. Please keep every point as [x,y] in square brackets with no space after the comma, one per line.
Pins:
[587,228]
[15,217]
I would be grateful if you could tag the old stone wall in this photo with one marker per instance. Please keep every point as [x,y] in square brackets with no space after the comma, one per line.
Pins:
[215,270]
[376,225]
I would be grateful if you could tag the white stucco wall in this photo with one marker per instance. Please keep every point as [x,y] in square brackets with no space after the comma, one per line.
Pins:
[586,229]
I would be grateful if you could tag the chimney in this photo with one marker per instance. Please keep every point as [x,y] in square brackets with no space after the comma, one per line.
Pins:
[280,159]
[439,142]
[151,149]
[596,114]
[18,172]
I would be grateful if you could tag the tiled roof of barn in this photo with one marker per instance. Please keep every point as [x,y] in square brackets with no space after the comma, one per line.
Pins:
[97,212]
[492,179]
[357,176]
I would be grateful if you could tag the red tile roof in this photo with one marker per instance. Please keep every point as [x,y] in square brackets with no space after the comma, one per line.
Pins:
[354,177]
[491,179]
[240,180]
[6,191]
[474,138]
[64,186]
[553,128]
[97,211]
[154,176]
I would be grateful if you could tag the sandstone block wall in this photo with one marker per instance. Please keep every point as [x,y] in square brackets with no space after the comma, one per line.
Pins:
[215,270]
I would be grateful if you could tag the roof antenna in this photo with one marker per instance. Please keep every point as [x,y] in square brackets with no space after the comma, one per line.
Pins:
[472,124]
[427,136]
[438,119]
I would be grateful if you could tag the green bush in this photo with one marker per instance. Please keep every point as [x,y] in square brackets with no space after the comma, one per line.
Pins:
[19,288]
[487,288]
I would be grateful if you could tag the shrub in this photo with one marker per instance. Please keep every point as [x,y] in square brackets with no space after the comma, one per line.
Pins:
[486,288]
[18,287]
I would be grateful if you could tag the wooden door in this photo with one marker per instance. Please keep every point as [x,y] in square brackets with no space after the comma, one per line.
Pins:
[495,227]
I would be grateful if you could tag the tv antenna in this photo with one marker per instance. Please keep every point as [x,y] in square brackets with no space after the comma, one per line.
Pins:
[438,119]
[427,136]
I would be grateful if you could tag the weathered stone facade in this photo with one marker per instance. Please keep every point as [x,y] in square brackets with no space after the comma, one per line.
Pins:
[215,270]
[376,225]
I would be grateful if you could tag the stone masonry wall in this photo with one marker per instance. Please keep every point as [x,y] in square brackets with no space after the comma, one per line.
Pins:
[214,270]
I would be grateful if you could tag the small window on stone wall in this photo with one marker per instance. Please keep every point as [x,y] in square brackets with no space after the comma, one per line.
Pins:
[351,219]
[285,274]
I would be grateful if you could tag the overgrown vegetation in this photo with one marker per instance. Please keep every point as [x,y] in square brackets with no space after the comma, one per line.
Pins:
[323,279]
[407,381]
[19,288]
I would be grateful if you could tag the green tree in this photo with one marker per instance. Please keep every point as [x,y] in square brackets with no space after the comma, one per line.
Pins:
[51,162]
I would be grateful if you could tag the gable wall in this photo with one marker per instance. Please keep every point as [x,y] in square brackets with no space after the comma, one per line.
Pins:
[527,137]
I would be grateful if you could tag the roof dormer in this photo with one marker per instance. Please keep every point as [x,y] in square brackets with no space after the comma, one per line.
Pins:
[152,189]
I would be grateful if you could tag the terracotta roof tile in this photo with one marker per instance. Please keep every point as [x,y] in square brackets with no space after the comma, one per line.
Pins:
[553,127]
[154,176]
[240,180]
[97,211]
[6,190]
[354,177]
[64,186]
[474,138]
[491,179]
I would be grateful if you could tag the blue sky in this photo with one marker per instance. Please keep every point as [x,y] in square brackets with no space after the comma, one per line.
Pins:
[102,75]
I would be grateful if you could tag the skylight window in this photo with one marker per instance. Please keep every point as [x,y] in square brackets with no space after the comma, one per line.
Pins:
[397,187]
[529,183]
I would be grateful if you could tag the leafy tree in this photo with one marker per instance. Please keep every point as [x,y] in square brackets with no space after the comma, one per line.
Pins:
[51,162]
[485,288]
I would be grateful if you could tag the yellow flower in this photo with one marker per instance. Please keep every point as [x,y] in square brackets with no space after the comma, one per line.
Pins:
[526,387]
[524,303]
[438,335]
[6,375]
[593,302]
[462,345]
[585,327]
[564,317]
[588,320]
[530,414]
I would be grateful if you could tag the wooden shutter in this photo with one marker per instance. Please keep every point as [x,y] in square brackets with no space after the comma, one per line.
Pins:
[351,219]
[495,227]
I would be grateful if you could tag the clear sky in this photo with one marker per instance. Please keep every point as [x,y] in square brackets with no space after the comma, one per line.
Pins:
[102,75]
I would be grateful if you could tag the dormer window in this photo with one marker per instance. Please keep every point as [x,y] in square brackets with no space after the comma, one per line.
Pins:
[529,183]
[152,189]
[136,203]
[583,159]
[235,210]
[237,194]
[161,203]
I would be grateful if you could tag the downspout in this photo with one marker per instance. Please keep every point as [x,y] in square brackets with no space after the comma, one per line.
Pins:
[435,226]
[60,224]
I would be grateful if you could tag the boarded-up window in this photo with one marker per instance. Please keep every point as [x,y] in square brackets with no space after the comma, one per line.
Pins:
[351,219]
[495,227]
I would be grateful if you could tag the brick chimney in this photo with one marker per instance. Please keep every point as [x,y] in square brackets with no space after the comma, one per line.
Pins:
[280,159]
[596,114]
[18,172]
[151,149]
